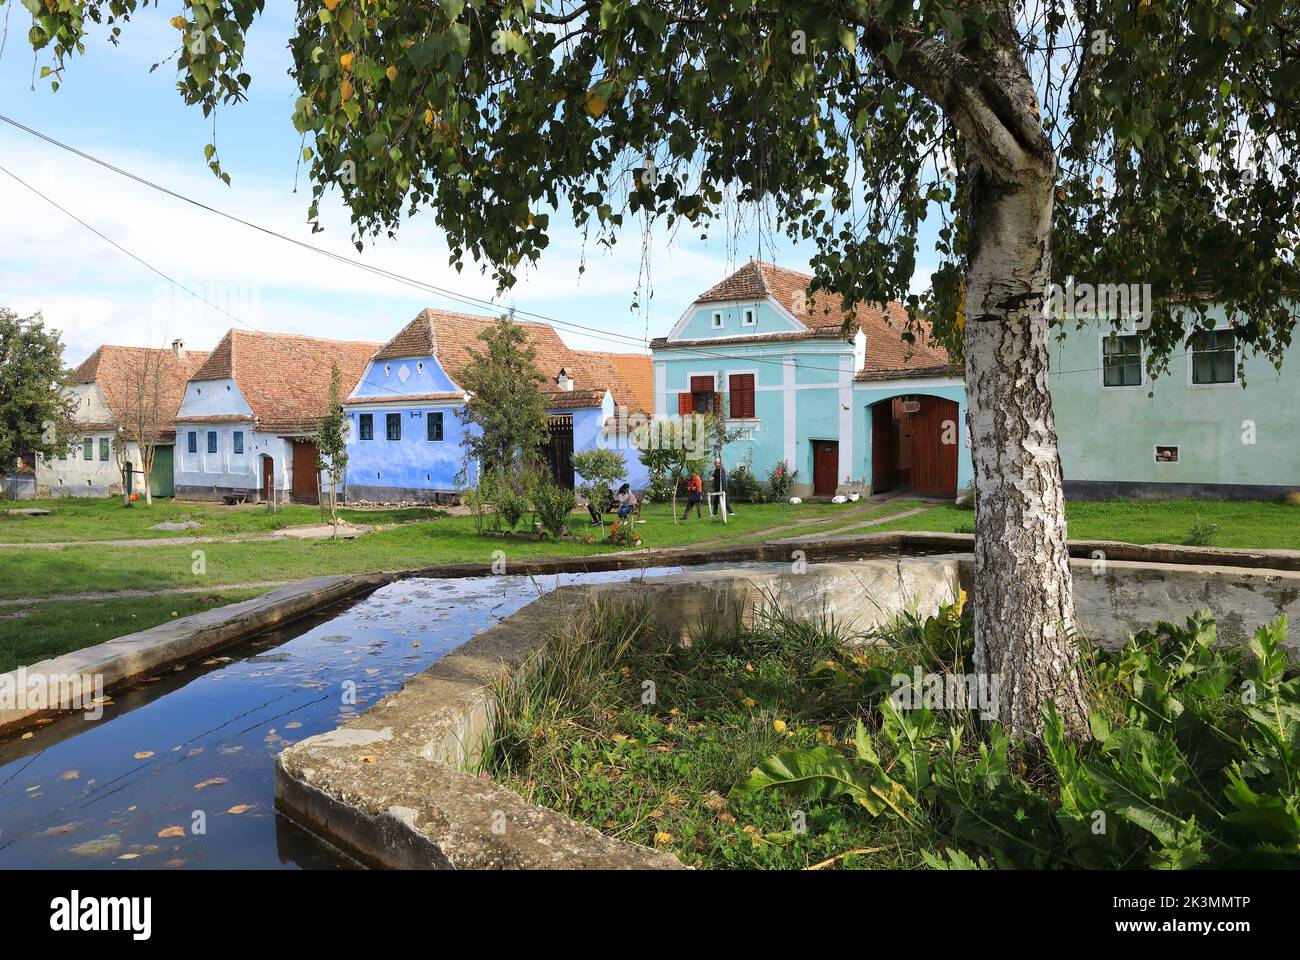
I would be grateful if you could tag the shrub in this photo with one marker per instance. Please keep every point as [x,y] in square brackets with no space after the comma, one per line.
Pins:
[553,504]
[1202,534]
[779,480]
[511,505]
[742,485]
[965,499]
[481,501]
[623,533]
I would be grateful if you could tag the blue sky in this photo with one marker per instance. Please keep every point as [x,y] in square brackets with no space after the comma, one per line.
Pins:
[110,105]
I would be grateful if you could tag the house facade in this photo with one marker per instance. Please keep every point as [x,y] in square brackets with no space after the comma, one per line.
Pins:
[1204,428]
[246,424]
[107,387]
[404,436]
[856,412]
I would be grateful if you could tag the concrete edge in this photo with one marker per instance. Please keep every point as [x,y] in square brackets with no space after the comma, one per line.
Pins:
[132,657]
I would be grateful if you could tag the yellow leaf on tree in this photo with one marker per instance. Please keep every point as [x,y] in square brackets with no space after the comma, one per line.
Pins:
[391,74]
[330,4]
[345,90]
[595,104]
[179,23]
[345,61]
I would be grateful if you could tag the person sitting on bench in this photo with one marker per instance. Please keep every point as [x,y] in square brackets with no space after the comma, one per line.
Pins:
[694,496]
[627,503]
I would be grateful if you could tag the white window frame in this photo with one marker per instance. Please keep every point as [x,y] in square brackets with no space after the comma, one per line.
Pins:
[716,321]
[1101,354]
[1191,357]
[749,317]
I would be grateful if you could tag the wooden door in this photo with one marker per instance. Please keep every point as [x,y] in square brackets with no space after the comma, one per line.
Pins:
[558,449]
[936,433]
[305,488]
[162,481]
[884,447]
[268,479]
[826,467]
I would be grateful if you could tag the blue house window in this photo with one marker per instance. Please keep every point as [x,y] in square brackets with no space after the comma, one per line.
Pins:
[192,442]
[433,426]
[393,426]
[239,441]
[212,441]
[367,426]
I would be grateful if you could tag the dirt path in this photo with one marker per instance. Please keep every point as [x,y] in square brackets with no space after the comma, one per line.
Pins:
[116,594]
[308,531]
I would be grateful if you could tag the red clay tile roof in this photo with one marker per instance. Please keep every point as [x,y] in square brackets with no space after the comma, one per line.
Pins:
[285,377]
[450,336]
[408,398]
[905,373]
[118,371]
[575,399]
[824,314]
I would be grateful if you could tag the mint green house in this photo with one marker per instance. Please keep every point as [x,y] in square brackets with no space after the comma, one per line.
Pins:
[1195,431]
[851,413]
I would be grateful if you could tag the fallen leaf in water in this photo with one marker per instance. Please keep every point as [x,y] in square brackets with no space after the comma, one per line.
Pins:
[129,856]
[415,643]
[195,752]
[368,758]
[178,862]
[179,667]
[172,832]
[144,754]
[61,829]
[43,721]
[241,808]
[70,774]
[292,725]
[210,783]
[28,735]
[37,787]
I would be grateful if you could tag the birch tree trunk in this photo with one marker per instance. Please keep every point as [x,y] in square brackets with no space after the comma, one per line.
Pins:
[1024,597]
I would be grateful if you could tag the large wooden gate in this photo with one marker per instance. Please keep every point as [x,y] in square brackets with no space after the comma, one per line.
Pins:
[936,432]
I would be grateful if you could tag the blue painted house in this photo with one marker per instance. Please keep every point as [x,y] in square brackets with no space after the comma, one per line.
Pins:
[858,412]
[404,438]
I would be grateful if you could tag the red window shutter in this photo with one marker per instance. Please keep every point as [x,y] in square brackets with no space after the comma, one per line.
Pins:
[684,405]
[701,384]
[742,395]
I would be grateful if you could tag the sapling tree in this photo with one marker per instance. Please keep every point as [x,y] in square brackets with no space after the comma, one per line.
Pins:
[601,472]
[1113,141]
[332,446]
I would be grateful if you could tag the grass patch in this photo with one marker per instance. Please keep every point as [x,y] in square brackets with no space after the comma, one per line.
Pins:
[447,540]
[576,736]
[1246,524]
[86,518]
[52,628]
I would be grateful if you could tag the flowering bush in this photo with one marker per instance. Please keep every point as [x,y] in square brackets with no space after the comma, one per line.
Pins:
[779,478]
[623,533]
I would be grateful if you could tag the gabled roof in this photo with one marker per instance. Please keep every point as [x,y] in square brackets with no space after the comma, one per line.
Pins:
[450,337]
[823,314]
[285,377]
[117,372]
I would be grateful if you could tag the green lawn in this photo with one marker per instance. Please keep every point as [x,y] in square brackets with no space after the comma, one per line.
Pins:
[52,628]
[449,540]
[84,518]
[1253,524]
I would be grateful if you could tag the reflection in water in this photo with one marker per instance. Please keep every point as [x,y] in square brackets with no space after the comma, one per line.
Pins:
[179,771]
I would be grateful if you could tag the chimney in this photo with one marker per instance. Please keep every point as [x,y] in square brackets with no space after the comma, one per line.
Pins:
[178,349]
[564,381]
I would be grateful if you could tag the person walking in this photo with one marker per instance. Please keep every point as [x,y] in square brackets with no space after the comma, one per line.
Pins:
[720,482]
[694,496]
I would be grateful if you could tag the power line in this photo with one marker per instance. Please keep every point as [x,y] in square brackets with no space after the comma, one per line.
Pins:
[457,297]
[461,298]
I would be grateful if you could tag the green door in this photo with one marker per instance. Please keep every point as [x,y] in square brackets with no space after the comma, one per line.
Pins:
[162,481]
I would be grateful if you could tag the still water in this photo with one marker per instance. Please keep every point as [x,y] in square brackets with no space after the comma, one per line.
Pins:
[195,747]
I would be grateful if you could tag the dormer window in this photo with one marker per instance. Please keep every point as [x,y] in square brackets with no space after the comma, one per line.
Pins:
[564,381]
[717,320]
[747,317]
